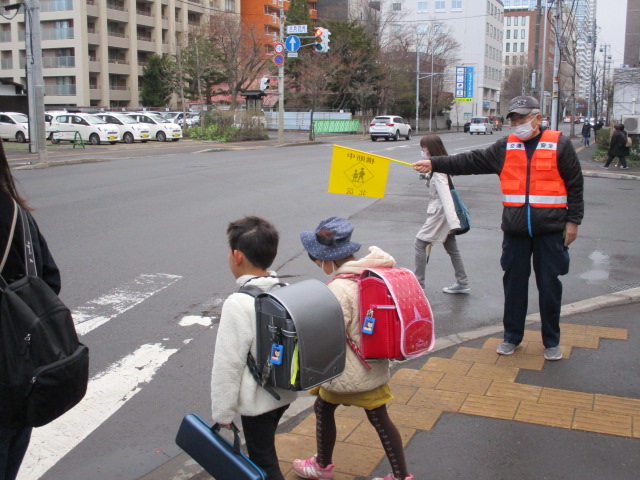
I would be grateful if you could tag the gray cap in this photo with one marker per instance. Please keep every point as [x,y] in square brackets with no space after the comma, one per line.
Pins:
[523,105]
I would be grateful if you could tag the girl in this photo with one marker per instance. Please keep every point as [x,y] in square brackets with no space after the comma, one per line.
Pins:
[330,248]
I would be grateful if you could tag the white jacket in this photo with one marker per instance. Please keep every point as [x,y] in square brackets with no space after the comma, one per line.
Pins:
[356,378]
[233,389]
[441,212]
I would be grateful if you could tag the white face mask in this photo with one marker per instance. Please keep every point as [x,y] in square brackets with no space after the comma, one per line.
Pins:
[333,269]
[423,155]
[525,131]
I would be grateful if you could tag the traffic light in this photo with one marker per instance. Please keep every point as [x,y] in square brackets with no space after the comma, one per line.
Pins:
[264,83]
[322,39]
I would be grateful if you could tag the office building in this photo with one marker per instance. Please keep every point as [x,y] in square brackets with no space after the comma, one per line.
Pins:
[632,34]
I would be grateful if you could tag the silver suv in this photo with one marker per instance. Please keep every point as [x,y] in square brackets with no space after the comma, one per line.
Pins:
[389,126]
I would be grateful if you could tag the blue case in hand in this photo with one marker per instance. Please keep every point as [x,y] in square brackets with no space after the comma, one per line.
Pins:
[221,459]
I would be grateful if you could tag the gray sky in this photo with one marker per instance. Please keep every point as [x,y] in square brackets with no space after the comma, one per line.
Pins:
[611,18]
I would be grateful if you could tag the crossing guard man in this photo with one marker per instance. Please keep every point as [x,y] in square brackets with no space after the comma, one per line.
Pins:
[542,187]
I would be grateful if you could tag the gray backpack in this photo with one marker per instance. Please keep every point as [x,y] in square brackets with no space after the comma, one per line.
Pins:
[300,336]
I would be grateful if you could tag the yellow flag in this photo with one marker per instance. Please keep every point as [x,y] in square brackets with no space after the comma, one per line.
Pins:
[358,173]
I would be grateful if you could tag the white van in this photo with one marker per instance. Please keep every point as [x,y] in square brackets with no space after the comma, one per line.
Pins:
[160,128]
[64,126]
[130,130]
[481,125]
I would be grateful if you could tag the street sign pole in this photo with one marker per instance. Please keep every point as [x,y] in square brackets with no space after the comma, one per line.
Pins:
[281,86]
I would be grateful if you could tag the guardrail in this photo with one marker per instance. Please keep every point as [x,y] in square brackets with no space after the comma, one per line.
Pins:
[336,126]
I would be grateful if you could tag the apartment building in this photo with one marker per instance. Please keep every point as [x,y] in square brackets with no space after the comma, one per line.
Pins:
[477,25]
[632,34]
[94,51]
[264,17]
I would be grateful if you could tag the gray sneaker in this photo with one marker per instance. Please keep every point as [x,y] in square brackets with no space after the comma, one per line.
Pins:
[553,353]
[506,348]
[457,288]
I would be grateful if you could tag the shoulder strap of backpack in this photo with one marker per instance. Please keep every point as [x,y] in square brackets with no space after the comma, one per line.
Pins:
[12,230]
[29,258]
[254,291]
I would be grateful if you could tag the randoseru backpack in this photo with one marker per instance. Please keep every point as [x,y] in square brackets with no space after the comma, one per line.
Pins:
[396,319]
[44,369]
[300,336]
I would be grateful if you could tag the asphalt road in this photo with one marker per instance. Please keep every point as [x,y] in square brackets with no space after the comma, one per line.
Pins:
[140,240]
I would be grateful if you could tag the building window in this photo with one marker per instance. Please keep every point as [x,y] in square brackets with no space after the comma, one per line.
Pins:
[522,34]
[506,60]
[515,47]
[456,5]
[524,21]
[515,34]
[508,49]
[440,5]
[508,21]
[396,7]
[515,21]
[508,34]
[422,28]
[522,60]
[423,7]
[522,46]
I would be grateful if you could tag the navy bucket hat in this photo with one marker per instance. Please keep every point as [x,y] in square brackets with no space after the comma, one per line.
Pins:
[331,240]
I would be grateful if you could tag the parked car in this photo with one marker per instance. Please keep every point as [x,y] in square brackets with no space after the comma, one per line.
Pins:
[14,126]
[160,128]
[193,119]
[130,130]
[64,126]
[567,119]
[389,126]
[481,125]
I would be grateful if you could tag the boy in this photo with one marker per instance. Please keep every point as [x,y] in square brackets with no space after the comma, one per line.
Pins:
[253,245]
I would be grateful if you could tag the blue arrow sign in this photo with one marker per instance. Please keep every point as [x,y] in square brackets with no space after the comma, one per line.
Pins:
[292,43]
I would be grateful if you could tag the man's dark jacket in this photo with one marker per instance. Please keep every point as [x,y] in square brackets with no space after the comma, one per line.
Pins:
[525,220]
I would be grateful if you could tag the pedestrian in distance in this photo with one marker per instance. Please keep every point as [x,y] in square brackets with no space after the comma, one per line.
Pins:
[586,134]
[14,438]
[618,147]
[441,221]
[330,248]
[448,122]
[542,186]
[253,245]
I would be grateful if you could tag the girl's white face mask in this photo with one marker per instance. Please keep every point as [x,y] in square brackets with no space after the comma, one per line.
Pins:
[332,268]
[525,131]
[423,154]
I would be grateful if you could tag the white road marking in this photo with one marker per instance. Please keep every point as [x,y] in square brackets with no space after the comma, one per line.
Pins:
[195,320]
[100,310]
[107,392]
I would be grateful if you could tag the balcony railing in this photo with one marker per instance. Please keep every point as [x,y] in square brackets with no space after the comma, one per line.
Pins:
[56,5]
[118,87]
[119,61]
[57,33]
[60,90]
[116,6]
[59,62]
[145,38]
[146,13]
[117,34]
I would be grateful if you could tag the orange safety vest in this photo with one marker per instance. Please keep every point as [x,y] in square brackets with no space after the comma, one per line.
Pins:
[540,181]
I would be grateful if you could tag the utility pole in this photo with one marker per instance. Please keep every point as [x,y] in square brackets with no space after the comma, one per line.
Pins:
[604,80]
[281,86]
[536,59]
[417,85]
[544,58]
[592,90]
[35,81]
[556,67]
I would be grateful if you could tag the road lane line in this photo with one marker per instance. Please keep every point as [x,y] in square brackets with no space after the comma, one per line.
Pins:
[106,393]
[100,310]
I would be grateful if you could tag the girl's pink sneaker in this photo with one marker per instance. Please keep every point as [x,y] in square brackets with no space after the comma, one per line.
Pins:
[310,468]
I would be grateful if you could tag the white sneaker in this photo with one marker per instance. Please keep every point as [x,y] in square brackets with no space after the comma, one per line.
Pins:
[457,288]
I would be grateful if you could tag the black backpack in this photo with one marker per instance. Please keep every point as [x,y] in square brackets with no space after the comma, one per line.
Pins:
[44,369]
[300,336]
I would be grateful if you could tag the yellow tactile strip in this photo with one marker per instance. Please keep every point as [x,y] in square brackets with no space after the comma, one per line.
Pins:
[475,381]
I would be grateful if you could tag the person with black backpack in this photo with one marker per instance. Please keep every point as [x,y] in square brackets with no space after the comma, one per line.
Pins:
[14,437]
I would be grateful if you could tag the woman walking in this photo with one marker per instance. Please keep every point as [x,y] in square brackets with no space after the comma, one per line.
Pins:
[618,147]
[440,223]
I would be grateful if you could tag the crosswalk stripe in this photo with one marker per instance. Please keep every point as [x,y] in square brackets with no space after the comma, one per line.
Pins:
[100,310]
[107,392]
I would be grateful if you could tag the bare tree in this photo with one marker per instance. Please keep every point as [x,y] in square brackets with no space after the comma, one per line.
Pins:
[240,50]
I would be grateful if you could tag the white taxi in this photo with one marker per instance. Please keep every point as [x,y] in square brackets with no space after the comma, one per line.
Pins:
[67,126]
[130,130]
[160,128]
[14,126]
